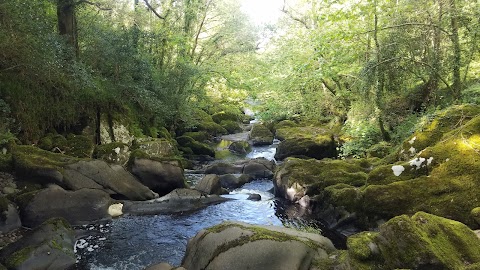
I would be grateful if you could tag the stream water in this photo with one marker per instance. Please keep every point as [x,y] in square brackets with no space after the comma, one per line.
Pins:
[134,242]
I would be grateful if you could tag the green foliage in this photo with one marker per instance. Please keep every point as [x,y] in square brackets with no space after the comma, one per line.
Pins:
[362,136]
[472,94]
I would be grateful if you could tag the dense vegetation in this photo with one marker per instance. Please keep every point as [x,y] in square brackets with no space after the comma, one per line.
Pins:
[374,67]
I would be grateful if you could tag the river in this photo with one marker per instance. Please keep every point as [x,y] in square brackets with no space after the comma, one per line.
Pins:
[135,242]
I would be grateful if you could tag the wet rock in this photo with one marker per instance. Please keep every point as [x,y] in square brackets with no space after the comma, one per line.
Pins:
[49,246]
[254,197]
[260,135]
[232,181]
[43,167]
[177,201]
[161,176]
[77,207]
[163,266]
[266,247]
[259,168]
[210,184]
[239,147]
[114,131]
[224,168]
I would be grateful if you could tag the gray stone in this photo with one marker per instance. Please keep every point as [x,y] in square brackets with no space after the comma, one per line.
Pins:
[178,201]
[260,135]
[254,197]
[104,176]
[259,168]
[227,245]
[8,190]
[9,219]
[77,207]
[161,176]
[224,168]
[50,246]
[232,181]
[210,184]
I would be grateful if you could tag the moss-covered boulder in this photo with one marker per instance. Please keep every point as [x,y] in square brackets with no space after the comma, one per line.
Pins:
[196,147]
[200,136]
[266,247]
[160,175]
[239,147]
[476,214]
[77,207]
[442,179]
[159,148]
[43,167]
[321,147]
[49,246]
[423,241]
[116,153]
[379,150]
[296,178]
[212,128]
[260,135]
[230,126]
[73,145]
[226,116]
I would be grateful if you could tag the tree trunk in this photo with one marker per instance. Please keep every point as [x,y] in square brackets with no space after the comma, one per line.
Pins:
[457,83]
[67,23]
[380,80]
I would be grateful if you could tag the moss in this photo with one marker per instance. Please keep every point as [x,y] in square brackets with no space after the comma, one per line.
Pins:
[226,116]
[212,128]
[46,143]
[79,146]
[27,158]
[379,150]
[318,174]
[107,149]
[320,147]
[230,126]
[342,195]
[197,148]
[260,132]
[362,246]
[306,132]
[442,123]
[200,136]
[426,241]
[384,174]
[23,199]
[18,257]
[476,214]
[164,133]
[6,162]
[285,124]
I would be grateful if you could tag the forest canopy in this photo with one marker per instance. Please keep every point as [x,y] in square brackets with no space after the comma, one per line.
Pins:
[372,66]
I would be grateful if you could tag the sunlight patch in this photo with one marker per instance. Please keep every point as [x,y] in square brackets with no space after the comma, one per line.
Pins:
[397,169]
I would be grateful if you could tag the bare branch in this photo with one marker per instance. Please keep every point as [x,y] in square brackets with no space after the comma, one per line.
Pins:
[99,6]
[291,16]
[153,10]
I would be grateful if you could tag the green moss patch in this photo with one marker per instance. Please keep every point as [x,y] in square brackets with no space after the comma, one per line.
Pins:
[197,148]
[27,158]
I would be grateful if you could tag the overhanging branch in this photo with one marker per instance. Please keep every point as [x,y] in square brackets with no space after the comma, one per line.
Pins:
[153,10]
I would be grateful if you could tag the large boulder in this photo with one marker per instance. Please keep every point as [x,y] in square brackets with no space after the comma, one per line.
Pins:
[156,148]
[178,201]
[423,241]
[259,168]
[296,178]
[77,207]
[49,246]
[210,184]
[260,135]
[162,176]
[188,145]
[43,167]
[223,168]
[112,130]
[73,145]
[232,181]
[318,148]
[266,247]
[305,141]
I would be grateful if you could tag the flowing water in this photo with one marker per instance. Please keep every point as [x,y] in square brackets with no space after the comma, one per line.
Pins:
[134,242]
